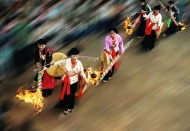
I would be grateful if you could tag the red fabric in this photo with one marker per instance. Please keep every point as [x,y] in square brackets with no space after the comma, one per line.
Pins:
[48,49]
[114,53]
[158,28]
[48,81]
[108,52]
[149,26]
[81,86]
[113,41]
[73,63]
[66,87]
[79,94]
[113,56]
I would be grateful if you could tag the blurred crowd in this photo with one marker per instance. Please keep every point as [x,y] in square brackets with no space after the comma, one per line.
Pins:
[60,22]
[22,22]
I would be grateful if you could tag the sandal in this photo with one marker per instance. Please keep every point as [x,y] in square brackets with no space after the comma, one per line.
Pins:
[65,112]
[69,110]
[104,81]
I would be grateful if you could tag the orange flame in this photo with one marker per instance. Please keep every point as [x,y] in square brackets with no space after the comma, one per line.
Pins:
[93,72]
[128,26]
[181,26]
[34,98]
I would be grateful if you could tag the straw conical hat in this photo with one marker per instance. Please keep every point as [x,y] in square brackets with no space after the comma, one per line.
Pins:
[58,70]
[105,59]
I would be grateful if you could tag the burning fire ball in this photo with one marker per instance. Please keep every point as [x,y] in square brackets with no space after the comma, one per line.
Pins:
[35,98]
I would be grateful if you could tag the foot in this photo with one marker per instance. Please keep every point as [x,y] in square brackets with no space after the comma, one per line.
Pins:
[164,34]
[138,37]
[104,81]
[69,110]
[65,112]
[109,78]
[32,89]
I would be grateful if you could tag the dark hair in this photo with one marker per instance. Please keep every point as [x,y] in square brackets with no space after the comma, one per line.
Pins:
[142,1]
[73,51]
[41,42]
[170,2]
[158,7]
[113,29]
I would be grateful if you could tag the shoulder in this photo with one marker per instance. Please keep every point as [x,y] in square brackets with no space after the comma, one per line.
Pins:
[175,8]
[79,62]
[36,51]
[107,37]
[151,13]
[159,15]
[49,49]
[68,59]
[118,36]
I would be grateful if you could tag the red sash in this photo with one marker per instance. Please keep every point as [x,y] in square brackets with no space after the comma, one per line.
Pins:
[116,65]
[66,86]
[149,26]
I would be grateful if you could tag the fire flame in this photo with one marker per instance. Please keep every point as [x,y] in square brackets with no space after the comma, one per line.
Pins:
[181,26]
[128,26]
[94,75]
[34,98]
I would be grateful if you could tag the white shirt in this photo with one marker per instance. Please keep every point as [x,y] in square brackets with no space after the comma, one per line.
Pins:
[73,72]
[154,19]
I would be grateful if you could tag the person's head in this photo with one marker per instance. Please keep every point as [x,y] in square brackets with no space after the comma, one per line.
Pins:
[142,2]
[73,53]
[157,9]
[171,4]
[41,44]
[113,31]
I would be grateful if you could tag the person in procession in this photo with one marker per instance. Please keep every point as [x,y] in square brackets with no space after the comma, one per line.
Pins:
[42,58]
[153,25]
[113,46]
[70,80]
[145,9]
[174,12]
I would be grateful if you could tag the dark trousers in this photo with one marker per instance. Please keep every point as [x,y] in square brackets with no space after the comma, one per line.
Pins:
[109,74]
[172,29]
[141,28]
[69,100]
[46,92]
[149,40]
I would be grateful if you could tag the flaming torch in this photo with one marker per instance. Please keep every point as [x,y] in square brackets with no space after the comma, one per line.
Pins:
[35,98]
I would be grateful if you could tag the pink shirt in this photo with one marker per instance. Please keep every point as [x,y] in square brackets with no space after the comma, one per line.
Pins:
[118,44]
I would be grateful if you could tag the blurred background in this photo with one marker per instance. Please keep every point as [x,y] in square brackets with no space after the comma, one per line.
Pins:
[60,22]
[64,24]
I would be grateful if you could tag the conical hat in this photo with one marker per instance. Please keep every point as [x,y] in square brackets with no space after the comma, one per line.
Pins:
[58,56]
[105,59]
[58,70]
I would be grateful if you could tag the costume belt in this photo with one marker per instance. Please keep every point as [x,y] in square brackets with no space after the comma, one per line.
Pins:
[66,85]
